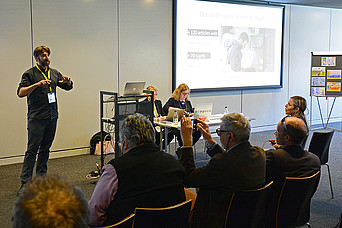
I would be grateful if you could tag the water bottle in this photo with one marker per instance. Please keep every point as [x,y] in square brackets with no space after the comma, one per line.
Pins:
[226,110]
[175,117]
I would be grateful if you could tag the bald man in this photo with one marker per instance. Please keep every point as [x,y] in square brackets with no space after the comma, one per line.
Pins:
[291,160]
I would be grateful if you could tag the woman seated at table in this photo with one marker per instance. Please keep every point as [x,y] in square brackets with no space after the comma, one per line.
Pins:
[179,99]
[158,112]
[296,108]
[157,109]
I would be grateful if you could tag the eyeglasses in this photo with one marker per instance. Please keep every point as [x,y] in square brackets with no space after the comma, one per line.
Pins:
[219,131]
[184,93]
[283,123]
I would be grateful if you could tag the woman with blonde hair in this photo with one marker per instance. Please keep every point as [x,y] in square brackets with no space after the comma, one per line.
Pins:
[296,108]
[158,110]
[179,99]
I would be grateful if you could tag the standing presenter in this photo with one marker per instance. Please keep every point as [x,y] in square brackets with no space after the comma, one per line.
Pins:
[39,85]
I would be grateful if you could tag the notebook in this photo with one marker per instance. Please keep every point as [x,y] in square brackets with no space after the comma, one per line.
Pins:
[134,88]
[203,110]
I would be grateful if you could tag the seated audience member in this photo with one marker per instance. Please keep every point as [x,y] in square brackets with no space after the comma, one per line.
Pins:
[143,176]
[50,202]
[235,166]
[296,108]
[179,99]
[291,160]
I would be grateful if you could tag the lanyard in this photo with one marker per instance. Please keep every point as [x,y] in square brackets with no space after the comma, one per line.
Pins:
[155,111]
[186,106]
[47,78]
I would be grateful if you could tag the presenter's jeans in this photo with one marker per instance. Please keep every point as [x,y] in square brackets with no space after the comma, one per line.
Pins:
[40,137]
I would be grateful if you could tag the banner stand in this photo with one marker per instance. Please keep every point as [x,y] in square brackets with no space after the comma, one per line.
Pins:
[324,126]
[325,80]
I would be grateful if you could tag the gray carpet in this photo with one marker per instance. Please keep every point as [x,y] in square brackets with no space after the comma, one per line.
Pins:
[325,211]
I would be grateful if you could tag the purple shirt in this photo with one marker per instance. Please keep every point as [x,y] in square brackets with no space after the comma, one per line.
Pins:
[103,195]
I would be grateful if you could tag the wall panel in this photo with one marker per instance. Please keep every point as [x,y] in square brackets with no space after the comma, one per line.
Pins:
[336,45]
[310,29]
[146,44]
[15,57]
[82,38]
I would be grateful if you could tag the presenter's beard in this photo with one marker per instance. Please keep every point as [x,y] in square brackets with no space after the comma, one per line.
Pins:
[46,63]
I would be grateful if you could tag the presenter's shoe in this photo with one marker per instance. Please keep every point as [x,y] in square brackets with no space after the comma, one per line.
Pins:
[21,189]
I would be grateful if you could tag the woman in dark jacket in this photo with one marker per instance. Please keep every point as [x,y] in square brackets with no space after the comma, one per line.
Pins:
[179,99]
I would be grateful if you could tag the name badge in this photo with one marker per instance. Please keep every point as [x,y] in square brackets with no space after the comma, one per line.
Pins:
[51,97]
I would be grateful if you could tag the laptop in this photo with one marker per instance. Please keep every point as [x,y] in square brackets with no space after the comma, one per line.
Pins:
[133,88]
[180,113]
[203,110]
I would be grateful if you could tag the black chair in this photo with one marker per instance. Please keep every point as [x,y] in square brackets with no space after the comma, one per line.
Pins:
[176,216]
[247,208]
[293,207]
[319,145]
[125,223]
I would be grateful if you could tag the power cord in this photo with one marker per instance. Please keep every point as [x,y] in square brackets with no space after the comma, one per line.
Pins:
[94,174]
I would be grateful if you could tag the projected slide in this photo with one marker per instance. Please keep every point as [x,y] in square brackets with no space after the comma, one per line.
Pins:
[220,45]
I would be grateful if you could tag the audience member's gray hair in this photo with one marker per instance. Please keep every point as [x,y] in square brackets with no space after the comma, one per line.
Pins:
[238,125]
[50,201]
[137,130]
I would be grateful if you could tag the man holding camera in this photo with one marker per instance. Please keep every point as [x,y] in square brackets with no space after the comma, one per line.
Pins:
[234,166]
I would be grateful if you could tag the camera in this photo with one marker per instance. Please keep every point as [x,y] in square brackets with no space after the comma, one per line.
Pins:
[194,124]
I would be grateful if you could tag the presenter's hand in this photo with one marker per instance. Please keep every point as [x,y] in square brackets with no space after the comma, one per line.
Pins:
[204,128]
[186,131]
[66,80]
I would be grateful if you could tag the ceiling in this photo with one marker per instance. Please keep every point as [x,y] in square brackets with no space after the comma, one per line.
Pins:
[317,3]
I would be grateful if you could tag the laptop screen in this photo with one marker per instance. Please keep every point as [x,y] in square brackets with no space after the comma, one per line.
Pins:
[134,88]
[203,110]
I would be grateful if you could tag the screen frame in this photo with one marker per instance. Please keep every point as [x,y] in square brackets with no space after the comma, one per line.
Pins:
[174,48]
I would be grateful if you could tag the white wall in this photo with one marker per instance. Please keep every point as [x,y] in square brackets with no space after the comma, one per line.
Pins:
[15,57]
[103,44]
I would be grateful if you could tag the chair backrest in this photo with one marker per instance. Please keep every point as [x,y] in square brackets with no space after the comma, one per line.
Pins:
[247,208]
[174,216]
[320,143]
[293,208]
[125,223]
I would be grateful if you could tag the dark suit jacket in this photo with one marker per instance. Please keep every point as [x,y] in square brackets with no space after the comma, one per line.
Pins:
[292,161]
[243,167]
[177,104]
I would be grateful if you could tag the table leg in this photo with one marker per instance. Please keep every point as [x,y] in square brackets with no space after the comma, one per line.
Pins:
[161,138]
[165,138]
